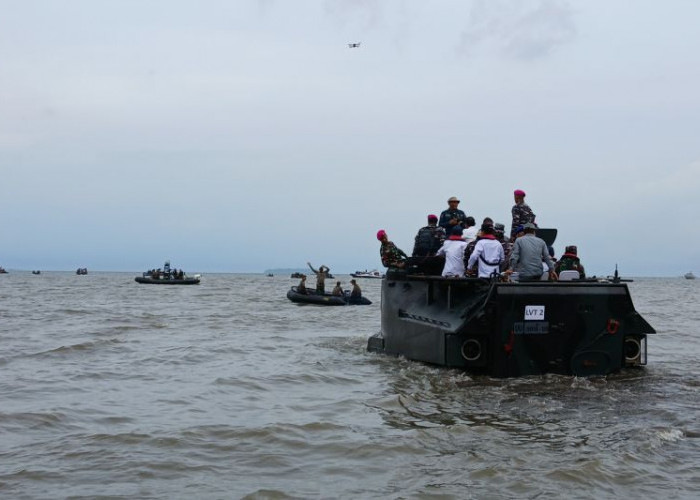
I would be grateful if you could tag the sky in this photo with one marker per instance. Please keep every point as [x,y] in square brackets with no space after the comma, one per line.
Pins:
[245,136]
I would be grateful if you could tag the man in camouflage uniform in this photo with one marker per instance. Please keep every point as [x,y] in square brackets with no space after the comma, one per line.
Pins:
[500,229]
[429,238]
[570,261]
[391,255]
[321,274]
[522,213]
[452,217]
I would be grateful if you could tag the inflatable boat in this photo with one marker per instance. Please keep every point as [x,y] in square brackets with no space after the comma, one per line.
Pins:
[326,299]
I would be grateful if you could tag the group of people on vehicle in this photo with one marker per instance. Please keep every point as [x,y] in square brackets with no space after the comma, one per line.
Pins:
[168,274]
[484,252]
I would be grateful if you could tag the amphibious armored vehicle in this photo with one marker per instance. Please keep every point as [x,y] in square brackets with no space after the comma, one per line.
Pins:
[577,327]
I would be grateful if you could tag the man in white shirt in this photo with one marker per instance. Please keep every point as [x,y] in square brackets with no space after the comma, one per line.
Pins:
[470,231]
[453,250]
[488,252]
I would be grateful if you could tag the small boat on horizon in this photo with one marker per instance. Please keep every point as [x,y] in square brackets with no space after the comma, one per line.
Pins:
[689,276]
[36,272]
[368,274]
[81,271]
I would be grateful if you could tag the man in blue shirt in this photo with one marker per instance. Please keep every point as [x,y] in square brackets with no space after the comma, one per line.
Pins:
[452,217]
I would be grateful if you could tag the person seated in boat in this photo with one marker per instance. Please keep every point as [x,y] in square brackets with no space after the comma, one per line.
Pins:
[321,274]
[391,255]
[337,289]
[570,261]
[356,292]
[429,238]
[488,254]
[453,250]
[301,287]
[181,274]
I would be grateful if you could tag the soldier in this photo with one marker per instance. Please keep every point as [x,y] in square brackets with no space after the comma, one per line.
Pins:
[301,287]
[570,261]
[338,290]
[321,274]
[429,238]
[356,292]
[499,229]
[391,255]
[522,213]
[452,216]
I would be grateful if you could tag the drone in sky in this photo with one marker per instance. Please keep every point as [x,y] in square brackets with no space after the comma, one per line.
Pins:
[354,45]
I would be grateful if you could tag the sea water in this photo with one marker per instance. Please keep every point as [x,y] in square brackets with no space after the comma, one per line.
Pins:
[113,389]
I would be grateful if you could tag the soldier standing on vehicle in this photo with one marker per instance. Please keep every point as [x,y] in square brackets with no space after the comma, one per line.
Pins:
[452,217]
[522,213]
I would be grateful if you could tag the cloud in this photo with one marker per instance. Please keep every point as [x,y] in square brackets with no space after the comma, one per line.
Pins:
[517,29]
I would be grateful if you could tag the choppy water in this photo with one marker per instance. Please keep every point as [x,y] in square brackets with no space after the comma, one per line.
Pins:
[228,390]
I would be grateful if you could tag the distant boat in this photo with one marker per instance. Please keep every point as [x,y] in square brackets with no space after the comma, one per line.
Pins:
[2,270]
[167,276]
[81,271]
[367,274]
[689,276]
[36,272]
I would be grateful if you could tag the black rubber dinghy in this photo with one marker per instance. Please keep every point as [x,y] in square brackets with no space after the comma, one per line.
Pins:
[326,299]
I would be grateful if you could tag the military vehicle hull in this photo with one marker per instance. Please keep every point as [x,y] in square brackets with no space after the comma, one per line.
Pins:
[511,329]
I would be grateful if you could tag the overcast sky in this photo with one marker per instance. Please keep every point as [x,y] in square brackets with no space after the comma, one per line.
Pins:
[238,136]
